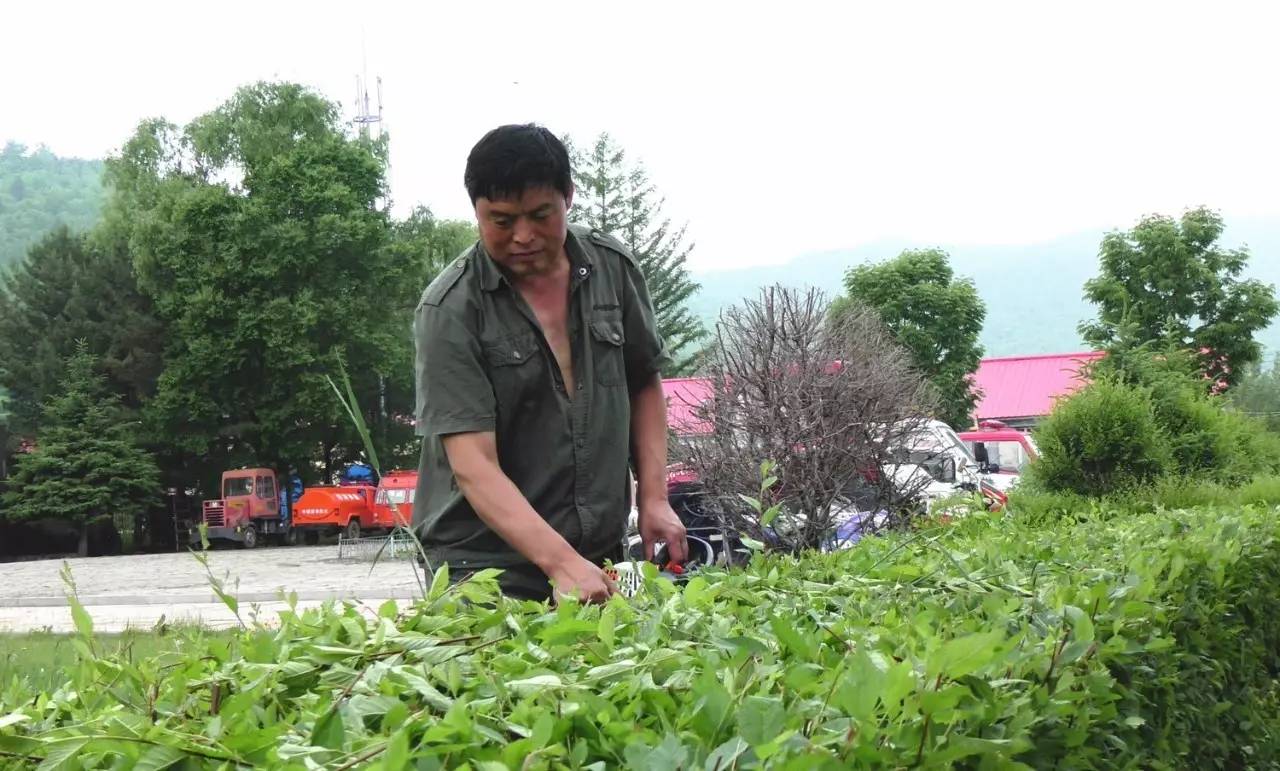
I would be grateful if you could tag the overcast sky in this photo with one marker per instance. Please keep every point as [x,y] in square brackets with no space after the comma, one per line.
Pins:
[773,128]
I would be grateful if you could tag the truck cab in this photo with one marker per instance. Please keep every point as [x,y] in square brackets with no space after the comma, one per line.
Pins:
[248,509]
[1003,453]
[393,505]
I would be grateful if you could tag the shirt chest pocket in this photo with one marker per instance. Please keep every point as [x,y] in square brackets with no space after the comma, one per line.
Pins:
[514,368]
[608,339]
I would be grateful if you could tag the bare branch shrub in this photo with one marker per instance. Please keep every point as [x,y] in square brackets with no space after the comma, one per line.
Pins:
[826,401]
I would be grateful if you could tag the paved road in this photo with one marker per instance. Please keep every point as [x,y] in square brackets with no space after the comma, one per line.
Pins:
[136,591]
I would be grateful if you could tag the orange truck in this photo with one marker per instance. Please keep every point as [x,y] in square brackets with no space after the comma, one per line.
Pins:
[393,505]
[248,509]
[330,509]
[251,507]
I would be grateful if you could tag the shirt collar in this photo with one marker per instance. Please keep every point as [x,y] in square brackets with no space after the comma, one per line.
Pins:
[581,265]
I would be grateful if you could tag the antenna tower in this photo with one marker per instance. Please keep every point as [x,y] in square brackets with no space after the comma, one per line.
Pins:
[368,122]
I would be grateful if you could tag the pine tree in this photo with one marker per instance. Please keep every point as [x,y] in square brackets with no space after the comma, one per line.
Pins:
[69,288]
[618,198]
[85,463]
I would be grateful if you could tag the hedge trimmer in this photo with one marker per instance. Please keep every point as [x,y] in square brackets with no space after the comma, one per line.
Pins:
[629,575]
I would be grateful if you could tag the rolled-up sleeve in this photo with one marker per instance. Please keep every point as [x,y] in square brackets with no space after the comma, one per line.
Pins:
[646,352]
[454,394]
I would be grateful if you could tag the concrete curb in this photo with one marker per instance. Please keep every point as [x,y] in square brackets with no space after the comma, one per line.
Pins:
[196,599]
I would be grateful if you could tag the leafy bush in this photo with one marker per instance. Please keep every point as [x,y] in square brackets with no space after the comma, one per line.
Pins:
[1143,641]
[1101,439]
[1171,493]
[1206,440]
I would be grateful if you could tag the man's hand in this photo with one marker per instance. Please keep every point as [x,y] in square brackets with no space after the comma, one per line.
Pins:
[579,577]
[658,522]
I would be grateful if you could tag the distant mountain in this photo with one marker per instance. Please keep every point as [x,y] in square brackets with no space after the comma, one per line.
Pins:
[40,191]
[1034,293]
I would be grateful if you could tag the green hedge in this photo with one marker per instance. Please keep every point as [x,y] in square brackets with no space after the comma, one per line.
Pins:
[1140,642]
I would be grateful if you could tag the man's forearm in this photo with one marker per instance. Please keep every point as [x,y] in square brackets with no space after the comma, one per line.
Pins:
[499,504]
[649,440]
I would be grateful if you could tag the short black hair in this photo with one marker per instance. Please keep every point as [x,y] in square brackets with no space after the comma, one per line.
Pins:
[511,159]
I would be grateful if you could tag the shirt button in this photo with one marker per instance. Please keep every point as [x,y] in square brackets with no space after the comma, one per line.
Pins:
[515,354]
[582,271]
[617,337]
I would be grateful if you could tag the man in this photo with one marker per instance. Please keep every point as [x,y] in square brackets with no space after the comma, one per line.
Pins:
[538,380]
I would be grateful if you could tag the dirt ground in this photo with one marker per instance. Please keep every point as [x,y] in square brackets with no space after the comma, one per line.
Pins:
[136,591]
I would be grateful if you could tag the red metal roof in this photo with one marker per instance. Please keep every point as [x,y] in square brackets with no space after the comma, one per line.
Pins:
[1013,387]
[1026,386]
[684,394]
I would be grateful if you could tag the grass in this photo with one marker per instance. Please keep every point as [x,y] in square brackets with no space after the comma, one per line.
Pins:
[43,658]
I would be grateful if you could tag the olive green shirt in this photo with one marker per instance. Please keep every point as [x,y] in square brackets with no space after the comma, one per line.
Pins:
[483,364]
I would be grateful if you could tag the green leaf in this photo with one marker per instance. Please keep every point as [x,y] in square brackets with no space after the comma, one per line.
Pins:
[439,582]
[397,754]
[697,592]
[899,680]
[754,503]
[352,406]
[958,747]
[724,756]
[605,629]
[535,684]
[965,655]
[61,753]
[329,732]
[610,670]
[1081,625]
[670,754]
[769,516]
[159,757]
[543,730]
[83,621]
[20,745]
[711,707]
[860,686]
[1074,650]
[13,718]
[790,638]
[761,719]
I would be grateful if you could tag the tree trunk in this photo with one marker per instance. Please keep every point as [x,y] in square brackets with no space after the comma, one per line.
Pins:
[83,551]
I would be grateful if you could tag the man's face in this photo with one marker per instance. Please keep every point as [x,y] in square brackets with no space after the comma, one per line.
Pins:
[525,235]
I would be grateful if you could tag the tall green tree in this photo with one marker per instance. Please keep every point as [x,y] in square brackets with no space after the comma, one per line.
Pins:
[1169,281]
[40,191]
[71,288]
[5,417]
[615,196]
[933,314]
[85,463]
[426,244]
[257,231]
[429,241]
[1258,394]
